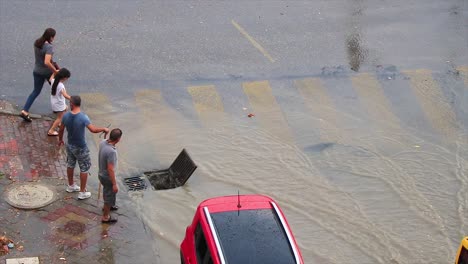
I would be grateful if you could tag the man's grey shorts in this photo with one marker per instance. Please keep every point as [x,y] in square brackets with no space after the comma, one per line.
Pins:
[107,193]
[81,155]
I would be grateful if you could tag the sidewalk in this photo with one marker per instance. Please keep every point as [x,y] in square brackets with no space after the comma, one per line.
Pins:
[67,230]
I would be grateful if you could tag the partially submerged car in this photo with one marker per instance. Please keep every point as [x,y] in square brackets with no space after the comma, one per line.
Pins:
[246,229]
[462,254]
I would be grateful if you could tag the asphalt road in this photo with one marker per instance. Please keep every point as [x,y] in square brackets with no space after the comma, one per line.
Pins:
[361,110]
[119,46]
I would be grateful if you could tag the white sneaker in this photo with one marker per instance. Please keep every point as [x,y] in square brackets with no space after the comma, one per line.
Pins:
[84,195]
[73,188]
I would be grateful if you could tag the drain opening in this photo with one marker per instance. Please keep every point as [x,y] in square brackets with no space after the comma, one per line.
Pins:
[175,176]
[137,183]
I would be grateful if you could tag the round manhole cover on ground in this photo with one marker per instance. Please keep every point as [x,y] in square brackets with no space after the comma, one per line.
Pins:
[29,195]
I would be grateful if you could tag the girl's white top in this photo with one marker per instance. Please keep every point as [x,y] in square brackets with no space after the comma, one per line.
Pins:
[57,101]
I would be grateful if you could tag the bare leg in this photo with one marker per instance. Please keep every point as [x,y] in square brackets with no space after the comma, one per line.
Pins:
[70,176]
[83,180]
[106,214]
[56,122]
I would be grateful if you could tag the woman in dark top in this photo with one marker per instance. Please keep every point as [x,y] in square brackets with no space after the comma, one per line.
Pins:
[44,67]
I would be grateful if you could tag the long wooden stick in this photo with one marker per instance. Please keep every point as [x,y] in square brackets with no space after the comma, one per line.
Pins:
[99,194]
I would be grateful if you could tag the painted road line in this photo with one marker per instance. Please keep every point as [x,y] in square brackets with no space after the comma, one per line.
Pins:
[433,103]
[374,100]
[99,103]
[99,109]
[252,40]
[323,108]
[159,123]
[267,110]
[464,73]
[207,103]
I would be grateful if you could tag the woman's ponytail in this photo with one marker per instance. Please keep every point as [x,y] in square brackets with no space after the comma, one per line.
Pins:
[62,74]
[46,36]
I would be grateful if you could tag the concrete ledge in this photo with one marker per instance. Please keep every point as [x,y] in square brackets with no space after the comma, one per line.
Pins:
[8,108]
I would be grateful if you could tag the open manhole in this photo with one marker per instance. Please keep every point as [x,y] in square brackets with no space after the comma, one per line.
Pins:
[175,176]
[29,195]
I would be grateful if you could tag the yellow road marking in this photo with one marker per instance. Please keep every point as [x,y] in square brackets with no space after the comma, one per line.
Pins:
[317,99]
[160,124]
[207,103]
[373,98]
[99,109]
[464,73]
[252,40]
[266,109]
[98,103]
[433,103]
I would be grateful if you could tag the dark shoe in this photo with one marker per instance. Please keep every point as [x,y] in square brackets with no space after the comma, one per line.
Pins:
[109,221]
[113,208]
[26,117]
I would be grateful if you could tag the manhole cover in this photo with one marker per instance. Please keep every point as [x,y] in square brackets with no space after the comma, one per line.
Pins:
[29,195]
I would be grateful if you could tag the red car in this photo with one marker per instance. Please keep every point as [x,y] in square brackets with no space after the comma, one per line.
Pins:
[242,229]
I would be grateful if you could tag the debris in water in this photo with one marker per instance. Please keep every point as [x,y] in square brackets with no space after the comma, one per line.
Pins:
[5,245]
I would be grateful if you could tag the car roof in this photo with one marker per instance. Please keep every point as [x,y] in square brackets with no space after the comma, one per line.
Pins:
[232,202]
[251,233]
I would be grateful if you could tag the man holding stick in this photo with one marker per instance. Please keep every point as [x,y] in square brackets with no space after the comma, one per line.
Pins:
[107,167]
[75,123]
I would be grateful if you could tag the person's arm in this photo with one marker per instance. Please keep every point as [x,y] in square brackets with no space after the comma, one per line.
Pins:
[65,94]
[60,135]
[111,172]
[94,129]
[48,63]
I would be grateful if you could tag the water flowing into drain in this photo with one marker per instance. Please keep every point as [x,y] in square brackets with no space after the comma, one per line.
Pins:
[175,176]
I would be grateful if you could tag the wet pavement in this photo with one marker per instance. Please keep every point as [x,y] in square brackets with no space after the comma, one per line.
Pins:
[68,230]
[360,111]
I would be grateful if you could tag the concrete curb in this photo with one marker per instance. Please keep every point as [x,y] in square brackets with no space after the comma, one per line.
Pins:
[7,108]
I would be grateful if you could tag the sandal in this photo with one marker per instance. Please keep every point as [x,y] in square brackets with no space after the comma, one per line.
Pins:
[53,134]
[113,208]
[26,117]
[109,221]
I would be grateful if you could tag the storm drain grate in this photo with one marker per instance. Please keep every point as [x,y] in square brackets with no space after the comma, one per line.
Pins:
[176,175]
[136,183]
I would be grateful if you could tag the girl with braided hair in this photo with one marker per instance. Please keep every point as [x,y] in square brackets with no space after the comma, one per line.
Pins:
[57,98]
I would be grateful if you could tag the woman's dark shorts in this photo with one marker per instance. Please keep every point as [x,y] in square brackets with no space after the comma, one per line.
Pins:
[108,194]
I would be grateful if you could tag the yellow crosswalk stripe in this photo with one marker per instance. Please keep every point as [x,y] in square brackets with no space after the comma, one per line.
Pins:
[97,103]
[374,100]
[432,100]
[266,109]
[464,73]
[207,103]
[99,109]
[321,105]
[160,124]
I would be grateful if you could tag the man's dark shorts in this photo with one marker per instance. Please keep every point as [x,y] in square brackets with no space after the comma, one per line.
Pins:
[81,155]
[108,194]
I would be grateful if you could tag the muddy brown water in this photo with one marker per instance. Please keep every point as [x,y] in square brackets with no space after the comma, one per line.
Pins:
[359,181]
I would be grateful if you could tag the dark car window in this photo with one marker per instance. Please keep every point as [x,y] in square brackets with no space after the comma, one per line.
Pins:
[252,236]
[463,259]
[203,253]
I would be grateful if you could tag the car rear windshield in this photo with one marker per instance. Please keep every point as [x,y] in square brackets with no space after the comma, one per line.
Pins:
[252,236]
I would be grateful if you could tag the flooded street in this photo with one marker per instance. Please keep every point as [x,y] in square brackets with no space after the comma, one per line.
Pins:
[358,181]
[358,122]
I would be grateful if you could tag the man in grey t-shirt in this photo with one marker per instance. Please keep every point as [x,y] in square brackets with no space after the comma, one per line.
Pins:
[107,167]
